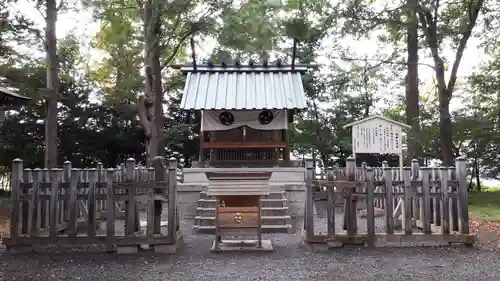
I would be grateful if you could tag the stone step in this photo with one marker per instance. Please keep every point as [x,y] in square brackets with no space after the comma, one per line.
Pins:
[266,220]
[210,203]
[210,229]
[266,211]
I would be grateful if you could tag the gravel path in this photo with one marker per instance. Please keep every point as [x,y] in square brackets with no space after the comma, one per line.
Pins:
[289,261]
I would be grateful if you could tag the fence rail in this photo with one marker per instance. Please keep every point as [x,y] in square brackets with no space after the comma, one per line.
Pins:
[94,206]
[431,204]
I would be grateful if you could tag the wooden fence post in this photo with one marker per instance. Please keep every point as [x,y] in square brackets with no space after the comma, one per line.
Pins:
[425,208]
[370,206]
[172,202]
[453,201]
[309,208]
[417,201]
[66,179]
[100,179]
[389,202]
[159,176]
[55,177]
[110,210]
[25,206]
[130,210]
[350,221]
[408,199]
[91,205]
[73,201]
[463,207]
[17,171]
[445,203]
[330,203]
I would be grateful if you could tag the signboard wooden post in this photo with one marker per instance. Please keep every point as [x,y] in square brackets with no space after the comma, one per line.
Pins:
[378,134]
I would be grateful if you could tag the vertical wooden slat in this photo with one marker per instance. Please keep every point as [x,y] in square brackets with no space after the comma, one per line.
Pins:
[453,201]
[99,190]
[55,177]
[44,206]
[363,177]
[445,211]
[436,206]
[37,177]
[408,199]
[370,207]
[150,207]
[330,203]
[350,217]
[416,202]
[25,204]
[110,211]
[160,176]
[73,202]
[130,215]
[172,203]
[82,204]
[66,179]
[425,216]
[91,204]
[309,208]
[389,207]
[463,207]
[17,170]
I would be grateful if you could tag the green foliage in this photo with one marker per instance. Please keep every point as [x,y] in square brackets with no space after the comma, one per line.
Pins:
[98,112]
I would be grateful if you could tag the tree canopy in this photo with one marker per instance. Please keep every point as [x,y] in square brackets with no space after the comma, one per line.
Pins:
[402,59]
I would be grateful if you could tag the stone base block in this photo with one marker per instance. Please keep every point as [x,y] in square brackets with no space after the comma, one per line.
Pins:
[242,245]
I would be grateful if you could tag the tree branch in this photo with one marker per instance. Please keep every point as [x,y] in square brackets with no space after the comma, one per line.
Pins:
[473,13]
[381,61]
[176,49]
[430,31]
[60,6]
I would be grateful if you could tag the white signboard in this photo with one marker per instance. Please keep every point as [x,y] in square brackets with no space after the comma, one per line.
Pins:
[377,136]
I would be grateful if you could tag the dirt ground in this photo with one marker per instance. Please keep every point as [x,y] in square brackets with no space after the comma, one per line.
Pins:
[289,261]
[488,234]
[4,223]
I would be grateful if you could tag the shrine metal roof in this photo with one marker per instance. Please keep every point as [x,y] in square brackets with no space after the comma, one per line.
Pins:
[8,97]
[243,87]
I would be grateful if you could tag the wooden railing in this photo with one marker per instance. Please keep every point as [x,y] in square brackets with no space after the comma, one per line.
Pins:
[52,206]
[432,205]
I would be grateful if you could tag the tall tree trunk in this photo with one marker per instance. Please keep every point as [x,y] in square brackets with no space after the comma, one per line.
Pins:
[50,159]
[429,24]
[445,128]
[411,83]
[478,178]
[150,105]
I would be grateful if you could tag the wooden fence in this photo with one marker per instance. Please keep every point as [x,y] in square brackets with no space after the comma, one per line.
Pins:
[432,205]
[95,206]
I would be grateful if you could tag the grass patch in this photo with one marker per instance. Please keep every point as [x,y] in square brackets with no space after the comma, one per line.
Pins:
[485,205]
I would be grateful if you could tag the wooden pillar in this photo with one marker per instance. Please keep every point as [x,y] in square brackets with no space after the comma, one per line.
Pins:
[212,154]
[286,150]
[202,151]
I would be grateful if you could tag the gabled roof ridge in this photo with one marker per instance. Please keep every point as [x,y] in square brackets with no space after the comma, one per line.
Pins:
[375,116]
